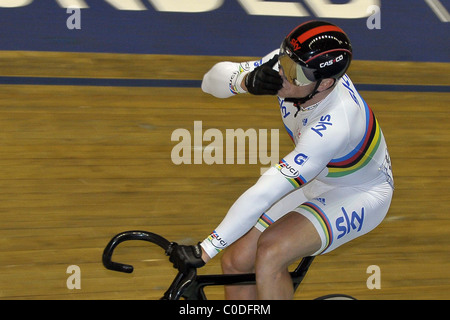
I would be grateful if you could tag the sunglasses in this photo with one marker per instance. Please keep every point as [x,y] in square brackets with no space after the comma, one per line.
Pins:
[293,71]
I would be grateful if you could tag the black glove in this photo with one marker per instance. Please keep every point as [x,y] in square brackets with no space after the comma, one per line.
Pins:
[185,257]
[264,80]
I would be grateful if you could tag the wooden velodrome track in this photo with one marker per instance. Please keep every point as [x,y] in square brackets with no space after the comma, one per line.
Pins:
[81,163]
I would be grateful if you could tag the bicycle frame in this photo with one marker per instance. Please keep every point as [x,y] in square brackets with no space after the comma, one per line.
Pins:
[196,290]
[189,286]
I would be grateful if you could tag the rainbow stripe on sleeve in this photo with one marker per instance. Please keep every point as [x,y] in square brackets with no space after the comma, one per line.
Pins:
[297,181]
[362,154]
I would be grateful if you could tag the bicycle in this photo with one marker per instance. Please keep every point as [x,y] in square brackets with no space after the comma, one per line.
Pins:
[190,286]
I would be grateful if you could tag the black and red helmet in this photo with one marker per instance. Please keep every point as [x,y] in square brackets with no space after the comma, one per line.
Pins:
[313,51]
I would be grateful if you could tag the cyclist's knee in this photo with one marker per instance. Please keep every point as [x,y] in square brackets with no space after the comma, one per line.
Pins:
[235,261]
[268,256]
[240,256]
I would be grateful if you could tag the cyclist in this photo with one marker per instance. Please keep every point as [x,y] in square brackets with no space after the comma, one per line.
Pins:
[334,186]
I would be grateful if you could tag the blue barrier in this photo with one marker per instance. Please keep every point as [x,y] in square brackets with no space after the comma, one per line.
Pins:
[403,30]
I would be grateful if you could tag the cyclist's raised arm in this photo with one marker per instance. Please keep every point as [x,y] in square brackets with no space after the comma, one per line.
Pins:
[226,79]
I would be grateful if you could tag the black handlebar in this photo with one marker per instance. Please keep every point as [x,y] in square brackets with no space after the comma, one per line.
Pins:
[126,236]
[181,282]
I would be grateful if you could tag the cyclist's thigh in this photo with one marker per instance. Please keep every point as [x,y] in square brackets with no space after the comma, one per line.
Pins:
[289,202]
[345,213]
[280,208]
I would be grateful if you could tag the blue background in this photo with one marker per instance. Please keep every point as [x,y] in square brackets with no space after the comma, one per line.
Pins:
[410,31]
